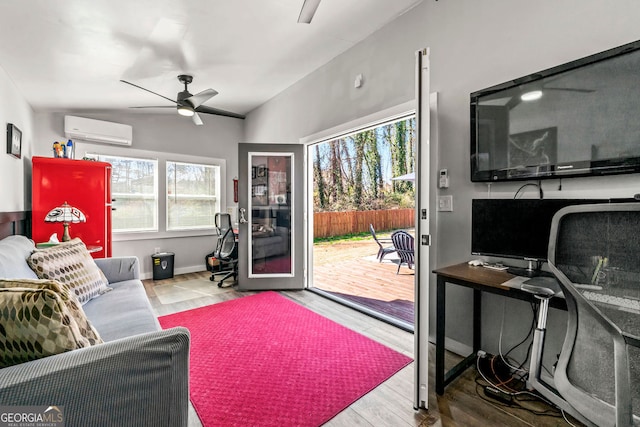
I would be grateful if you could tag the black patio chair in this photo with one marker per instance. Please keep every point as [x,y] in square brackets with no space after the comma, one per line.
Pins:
[384,250]
[403,244]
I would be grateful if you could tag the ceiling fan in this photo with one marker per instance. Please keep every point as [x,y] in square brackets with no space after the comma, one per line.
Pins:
[535,90]
[190,105]
[308,10]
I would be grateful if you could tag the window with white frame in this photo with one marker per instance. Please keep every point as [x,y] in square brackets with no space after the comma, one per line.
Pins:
[192,195]
[134,188]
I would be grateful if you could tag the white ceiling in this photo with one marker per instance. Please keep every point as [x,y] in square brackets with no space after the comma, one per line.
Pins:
[71,54]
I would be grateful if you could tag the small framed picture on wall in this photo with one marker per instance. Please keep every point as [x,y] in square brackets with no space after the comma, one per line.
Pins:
[14,140]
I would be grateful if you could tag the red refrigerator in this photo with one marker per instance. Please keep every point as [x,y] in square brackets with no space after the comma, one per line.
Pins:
[83,184]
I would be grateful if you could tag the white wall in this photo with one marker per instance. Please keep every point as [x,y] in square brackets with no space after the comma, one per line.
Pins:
[473,45]
[327,97]
[14,172]
[163,133]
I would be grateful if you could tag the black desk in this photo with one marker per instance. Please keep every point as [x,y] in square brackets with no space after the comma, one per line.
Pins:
[480,279]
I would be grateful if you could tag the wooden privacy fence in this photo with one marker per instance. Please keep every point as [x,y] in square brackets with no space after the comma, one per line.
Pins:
[327,224]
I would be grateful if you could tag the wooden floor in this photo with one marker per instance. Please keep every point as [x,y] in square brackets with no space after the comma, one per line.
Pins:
[391,403]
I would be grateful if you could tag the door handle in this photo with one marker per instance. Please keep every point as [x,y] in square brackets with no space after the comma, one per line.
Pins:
[243,220]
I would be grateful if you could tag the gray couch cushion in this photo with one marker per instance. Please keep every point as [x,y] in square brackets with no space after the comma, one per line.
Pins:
[14,251]
[122,312]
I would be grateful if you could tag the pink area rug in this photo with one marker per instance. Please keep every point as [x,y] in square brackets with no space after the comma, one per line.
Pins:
[263,360]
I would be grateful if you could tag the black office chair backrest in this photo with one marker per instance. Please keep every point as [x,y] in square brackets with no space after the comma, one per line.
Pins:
[222,222]
[227,249]
[594,252]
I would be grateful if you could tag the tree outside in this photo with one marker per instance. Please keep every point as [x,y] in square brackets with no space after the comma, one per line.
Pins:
[354,172]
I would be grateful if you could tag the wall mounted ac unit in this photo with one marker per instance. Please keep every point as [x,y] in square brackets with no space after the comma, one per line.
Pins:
[97,131]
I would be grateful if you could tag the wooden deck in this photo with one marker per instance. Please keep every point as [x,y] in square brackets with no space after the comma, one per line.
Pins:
[350,270]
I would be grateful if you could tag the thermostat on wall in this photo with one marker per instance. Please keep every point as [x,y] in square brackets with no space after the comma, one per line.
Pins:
[443,182]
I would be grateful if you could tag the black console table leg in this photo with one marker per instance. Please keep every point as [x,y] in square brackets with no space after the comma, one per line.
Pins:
[440,321]
[477,320]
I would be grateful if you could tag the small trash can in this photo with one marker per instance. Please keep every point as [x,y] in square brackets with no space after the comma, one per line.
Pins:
[162,265]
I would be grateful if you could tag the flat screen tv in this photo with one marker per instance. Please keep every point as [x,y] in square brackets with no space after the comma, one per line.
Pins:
[577,119]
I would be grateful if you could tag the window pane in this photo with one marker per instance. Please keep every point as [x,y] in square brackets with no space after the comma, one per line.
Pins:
[192,195]
[134,186]
[134,213]
[271,206]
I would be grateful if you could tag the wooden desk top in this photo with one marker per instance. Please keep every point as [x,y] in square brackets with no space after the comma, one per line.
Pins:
[482,278]
[477,274]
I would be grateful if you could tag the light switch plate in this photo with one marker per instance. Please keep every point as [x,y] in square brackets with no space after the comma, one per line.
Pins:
[445,203]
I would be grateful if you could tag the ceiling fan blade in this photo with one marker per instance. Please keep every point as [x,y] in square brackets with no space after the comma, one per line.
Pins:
[217,112]
[513,103]
[201,97]
[569,89]
[196,119]
[150,91]
[156,106]
[308,10]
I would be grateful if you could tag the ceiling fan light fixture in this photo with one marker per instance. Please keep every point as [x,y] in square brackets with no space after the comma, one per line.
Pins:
[185,110]
[532,95]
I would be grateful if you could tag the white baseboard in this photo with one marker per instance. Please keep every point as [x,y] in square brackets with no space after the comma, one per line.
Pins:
[457,347]
[454,346]
[183,270]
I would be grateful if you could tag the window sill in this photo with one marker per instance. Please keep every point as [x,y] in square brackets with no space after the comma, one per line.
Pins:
[154,235]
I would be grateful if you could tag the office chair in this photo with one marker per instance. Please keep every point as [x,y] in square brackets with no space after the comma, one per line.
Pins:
[227,254]
[222,222]
[594,253]
[403,244]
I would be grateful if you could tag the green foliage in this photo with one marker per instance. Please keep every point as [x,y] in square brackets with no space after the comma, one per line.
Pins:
[354,172]
[401,200]
[345,238]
